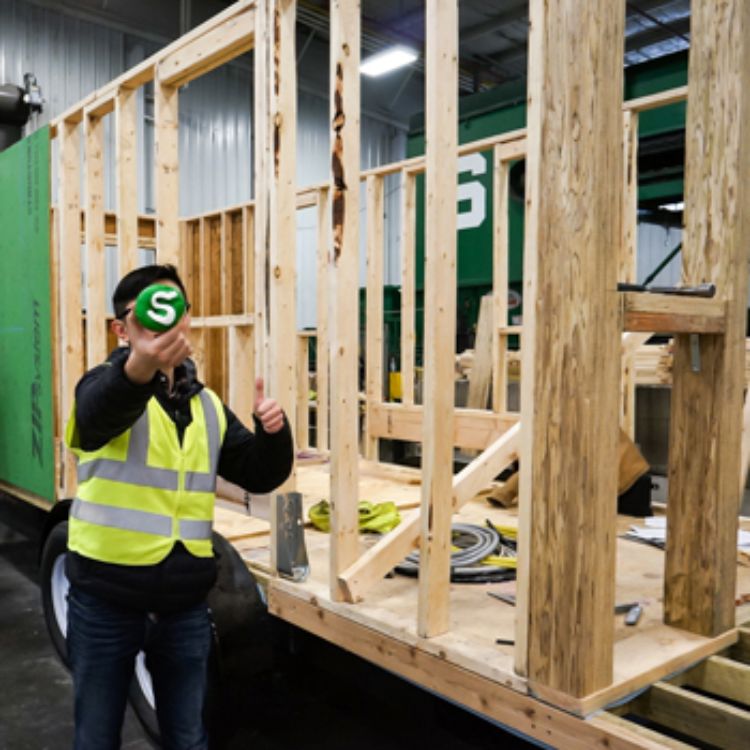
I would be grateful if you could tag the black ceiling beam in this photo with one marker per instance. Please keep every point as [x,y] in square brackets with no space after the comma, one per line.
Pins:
[676,30]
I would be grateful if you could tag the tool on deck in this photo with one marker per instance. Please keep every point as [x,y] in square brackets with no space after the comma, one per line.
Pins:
[291,553]
[633,615]
[699,290]
[507,598]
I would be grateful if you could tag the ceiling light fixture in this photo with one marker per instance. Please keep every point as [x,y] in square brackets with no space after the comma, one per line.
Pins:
[387,60]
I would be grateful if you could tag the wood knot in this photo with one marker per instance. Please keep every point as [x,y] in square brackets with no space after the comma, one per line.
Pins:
[277,272]
[339,120]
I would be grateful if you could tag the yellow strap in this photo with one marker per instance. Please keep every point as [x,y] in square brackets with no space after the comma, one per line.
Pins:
[377,517]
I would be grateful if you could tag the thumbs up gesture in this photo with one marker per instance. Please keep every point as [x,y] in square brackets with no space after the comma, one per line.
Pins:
[267,410]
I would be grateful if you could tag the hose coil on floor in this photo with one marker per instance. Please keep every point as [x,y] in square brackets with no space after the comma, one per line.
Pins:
[475,543]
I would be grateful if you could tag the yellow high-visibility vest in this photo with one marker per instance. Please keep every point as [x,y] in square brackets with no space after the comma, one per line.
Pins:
[143,491]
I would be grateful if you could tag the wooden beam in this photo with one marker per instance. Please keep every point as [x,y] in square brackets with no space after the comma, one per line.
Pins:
[248,262]
[547,724]
[322,351]
[654,101]
[166,166]
[262,161]
[241,391]
[720,676]
[228,40]
[408,284]
[480,377]
[102,106]
[344,318]
[474,429]
[672,313]
[126,177]
[222,321]
[144,72]
[649,739]
[69,267]
[501,194]
[570,363]
[741,650]
[473,478]
[627,265]
[441,136]
[697,716]
[223,283]
[374,316]
[275,202]
[302,439]
[631,342]
[745,450]
[282,365]
[370,568]
[706,413]
[96,287]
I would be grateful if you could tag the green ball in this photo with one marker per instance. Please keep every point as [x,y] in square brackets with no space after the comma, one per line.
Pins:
[159,307]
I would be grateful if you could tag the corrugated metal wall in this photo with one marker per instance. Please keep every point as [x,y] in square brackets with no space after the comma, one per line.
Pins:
[72,57]
[655,242]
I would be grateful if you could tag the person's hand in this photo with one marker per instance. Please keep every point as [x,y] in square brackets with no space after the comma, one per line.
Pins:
[151,351]
[267,410]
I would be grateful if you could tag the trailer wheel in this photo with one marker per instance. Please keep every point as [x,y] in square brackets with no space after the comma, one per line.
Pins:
[55,588]
[142,699]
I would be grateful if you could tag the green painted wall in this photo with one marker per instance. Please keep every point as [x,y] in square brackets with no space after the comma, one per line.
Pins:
[26,411]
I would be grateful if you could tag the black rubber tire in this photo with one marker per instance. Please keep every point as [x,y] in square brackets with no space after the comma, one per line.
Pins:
[54,600]
[243,646]
[144,708]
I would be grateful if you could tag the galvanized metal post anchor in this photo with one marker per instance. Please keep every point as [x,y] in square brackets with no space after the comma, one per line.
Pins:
[291,553]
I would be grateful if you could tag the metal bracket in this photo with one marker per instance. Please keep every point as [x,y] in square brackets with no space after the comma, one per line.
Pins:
[291,553]
[695,352]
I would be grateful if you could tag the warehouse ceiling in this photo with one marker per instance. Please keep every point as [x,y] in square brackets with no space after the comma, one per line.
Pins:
[493,36]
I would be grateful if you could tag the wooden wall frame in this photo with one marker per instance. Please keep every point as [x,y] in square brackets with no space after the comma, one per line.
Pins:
[565,648]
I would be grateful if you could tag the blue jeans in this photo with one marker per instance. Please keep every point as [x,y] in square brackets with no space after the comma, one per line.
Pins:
[103,642]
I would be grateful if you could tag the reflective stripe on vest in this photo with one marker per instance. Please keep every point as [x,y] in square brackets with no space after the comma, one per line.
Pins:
[133,470]
[198,481]
[128,519]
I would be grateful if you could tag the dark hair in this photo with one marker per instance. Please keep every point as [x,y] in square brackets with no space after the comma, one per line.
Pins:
[133,283]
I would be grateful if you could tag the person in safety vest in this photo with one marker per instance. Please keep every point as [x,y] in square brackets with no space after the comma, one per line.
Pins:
[150,440]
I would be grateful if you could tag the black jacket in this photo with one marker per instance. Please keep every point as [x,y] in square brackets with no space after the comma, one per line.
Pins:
[107,404]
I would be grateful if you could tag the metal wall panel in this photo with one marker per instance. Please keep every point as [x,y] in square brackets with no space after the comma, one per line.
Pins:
[655,242]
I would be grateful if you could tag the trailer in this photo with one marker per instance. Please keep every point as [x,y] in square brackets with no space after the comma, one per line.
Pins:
[560,667]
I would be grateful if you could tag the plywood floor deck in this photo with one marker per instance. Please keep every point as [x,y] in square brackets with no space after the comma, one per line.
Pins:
[643,654]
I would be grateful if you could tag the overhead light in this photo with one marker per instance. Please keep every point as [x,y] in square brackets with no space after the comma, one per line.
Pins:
[673,207]
[387,60]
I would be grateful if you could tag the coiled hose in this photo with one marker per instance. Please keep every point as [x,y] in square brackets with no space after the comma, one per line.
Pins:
[475,543]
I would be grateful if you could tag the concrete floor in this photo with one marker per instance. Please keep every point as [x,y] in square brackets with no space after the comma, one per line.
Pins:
[36,692]
[318,697]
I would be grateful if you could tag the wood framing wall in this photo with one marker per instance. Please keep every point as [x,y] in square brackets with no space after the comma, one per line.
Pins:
[569,398]
[581,150]
[343,285]
[706,423]
[441,137]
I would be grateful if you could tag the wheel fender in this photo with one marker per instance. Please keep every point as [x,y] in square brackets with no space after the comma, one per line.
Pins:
[59,513]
